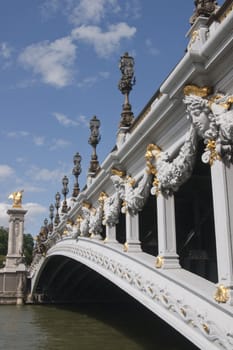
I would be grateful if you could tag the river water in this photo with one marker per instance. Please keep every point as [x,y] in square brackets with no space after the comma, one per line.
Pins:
[86,327]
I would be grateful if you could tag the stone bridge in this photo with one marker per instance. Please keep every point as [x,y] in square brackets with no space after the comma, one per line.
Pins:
[182,299]
[156,218]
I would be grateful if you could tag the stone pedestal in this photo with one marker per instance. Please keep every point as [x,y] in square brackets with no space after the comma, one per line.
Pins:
[110,234]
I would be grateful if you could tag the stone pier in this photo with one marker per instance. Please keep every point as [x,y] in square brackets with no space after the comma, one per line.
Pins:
[13,275]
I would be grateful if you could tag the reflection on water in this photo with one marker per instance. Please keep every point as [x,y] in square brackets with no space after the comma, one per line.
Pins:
[86,327]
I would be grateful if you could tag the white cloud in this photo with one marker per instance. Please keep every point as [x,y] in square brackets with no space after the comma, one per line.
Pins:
[64,120]
[88,82]
[89,11]
[104,75]
[4,217]
[45,174]
[151,49]
[92,80]
[59,143]
[33,189]
[67,122]
[16,134]
[5,50]
[34,215]
[80,12]
[5,171]
[84,120]
[38,140]
[53,61]
[132,9]
[49,7]
[34,209]
[105,43]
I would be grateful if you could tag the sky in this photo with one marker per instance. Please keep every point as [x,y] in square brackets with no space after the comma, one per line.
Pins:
[58,68]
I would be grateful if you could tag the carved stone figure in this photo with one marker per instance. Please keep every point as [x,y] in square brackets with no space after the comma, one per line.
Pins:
[71,229]
[84,225]
[135,193]
[96,216]
[17,198]
[213,120]
[171,174]
[112,204]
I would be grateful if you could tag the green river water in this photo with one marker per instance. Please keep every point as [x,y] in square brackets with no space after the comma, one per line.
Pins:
[86,327]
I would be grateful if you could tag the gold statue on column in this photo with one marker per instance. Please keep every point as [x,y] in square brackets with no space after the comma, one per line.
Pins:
[17,198]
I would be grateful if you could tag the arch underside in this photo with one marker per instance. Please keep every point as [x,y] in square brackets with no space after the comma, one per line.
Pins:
[68,272]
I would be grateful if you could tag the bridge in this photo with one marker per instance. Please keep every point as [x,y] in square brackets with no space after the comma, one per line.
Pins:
[156,217]
[183,301]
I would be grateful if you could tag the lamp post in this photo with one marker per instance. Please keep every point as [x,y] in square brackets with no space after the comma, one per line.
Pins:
[125,85]
[65,191]
[46,226]
[57,206]
[51,216]
[94,139]
[204,9]
[76,172]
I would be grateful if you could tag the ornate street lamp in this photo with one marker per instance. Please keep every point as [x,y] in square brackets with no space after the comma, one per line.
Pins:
[76,172]
[46,222]
[46,226]
[65,191]
[57,206]
[51,216]
[125,85]
[94,139]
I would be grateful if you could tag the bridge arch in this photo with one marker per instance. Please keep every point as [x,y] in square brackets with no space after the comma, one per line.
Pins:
[167,294]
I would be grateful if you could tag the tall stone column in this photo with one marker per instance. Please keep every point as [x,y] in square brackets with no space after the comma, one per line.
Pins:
[167,257]
[132,233]
[15,240]
[13,275]
[222,186]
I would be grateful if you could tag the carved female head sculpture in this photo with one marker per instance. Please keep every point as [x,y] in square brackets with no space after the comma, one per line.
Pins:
[213,120]
[199,113]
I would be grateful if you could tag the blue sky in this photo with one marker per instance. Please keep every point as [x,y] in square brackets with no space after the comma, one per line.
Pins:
[58,68]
